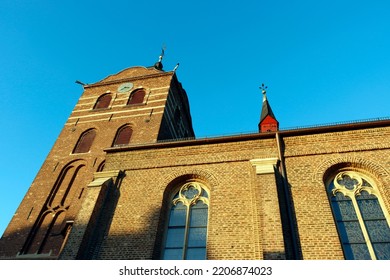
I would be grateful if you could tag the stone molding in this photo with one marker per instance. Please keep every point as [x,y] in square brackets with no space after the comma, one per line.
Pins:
[265,165]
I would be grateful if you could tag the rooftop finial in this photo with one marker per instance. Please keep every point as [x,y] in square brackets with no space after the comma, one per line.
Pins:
[158,65]
[264,91]
[162,53]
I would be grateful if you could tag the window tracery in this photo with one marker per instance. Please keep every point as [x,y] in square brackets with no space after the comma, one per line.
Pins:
[186,232]
[362,221]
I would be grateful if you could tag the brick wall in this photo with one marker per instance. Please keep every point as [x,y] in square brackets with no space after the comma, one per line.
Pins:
[244,214]
[309,158]
[248,215]
[267,195]
[54,189]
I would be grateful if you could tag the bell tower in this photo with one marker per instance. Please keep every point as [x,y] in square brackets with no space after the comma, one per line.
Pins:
[138,105]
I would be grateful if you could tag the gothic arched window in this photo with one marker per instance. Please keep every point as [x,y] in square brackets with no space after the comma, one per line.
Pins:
[85,141]
[136,97]
[123,136]
[103,101]
[186,230]
[360,216]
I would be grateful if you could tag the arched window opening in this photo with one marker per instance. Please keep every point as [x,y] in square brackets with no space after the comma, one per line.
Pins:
[186,231]
[123,136]
[85,142]
[103,101]
[136,97]
[360,216]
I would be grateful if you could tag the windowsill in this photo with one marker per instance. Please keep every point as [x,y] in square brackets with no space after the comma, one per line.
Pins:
[76,154]
[100,109]
[136,104]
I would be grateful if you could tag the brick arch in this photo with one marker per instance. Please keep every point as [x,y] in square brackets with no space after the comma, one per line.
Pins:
[171,183]
[337,162]
[376,171]
[137,96]
[85,141]
[101,166]
[66,184]
[103,101]
[173,178]
[123,135]
[59,199]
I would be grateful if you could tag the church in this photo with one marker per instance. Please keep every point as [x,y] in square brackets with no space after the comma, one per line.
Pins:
[128,179]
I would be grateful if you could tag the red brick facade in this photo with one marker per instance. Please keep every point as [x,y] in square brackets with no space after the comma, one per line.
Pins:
[267,191]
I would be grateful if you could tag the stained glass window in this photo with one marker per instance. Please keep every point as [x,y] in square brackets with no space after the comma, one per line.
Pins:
[361,221]
[187,226]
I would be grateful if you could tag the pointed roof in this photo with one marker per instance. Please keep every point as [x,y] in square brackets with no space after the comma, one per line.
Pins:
[266,109]
[268,122]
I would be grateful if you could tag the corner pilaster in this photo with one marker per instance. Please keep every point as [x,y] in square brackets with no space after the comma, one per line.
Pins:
[266,180]
[82,230]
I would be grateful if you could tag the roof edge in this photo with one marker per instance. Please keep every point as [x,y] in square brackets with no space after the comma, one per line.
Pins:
[252,136]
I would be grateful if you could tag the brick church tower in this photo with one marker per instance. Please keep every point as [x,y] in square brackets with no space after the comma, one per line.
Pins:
[136,105]
[118,184]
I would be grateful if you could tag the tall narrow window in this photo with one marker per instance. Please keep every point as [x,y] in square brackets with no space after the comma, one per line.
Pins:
[123,136]
[186,232]
[103,101]
[85,142]
[360,216]
[136,97]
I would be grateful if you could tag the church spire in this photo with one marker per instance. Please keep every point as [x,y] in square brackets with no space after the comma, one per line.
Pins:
[268,121]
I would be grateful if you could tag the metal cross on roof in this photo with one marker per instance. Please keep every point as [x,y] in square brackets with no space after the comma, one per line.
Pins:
[263,89]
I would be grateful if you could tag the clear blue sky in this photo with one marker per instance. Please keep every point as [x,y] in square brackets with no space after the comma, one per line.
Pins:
[323,62]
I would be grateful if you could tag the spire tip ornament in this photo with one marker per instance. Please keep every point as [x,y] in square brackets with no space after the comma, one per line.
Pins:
[158,65]
[264,91]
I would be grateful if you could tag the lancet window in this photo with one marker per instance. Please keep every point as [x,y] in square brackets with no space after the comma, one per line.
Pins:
[361,218]
[186,232]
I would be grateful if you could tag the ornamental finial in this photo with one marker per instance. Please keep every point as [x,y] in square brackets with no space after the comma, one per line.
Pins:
[162,53]
[263,91]
[158,65]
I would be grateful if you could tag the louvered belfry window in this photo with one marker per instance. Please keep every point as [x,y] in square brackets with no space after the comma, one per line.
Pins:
[123,136]
[137,97]
[85,142]
[103,101]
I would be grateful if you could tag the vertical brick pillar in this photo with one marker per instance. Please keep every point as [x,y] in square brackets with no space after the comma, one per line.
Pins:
[271,222]
[85,222]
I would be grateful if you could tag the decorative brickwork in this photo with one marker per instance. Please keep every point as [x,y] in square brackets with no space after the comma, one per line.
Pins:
[267,191]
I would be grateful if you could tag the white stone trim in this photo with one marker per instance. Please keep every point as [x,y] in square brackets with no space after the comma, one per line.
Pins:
[264,165]
[99,178]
